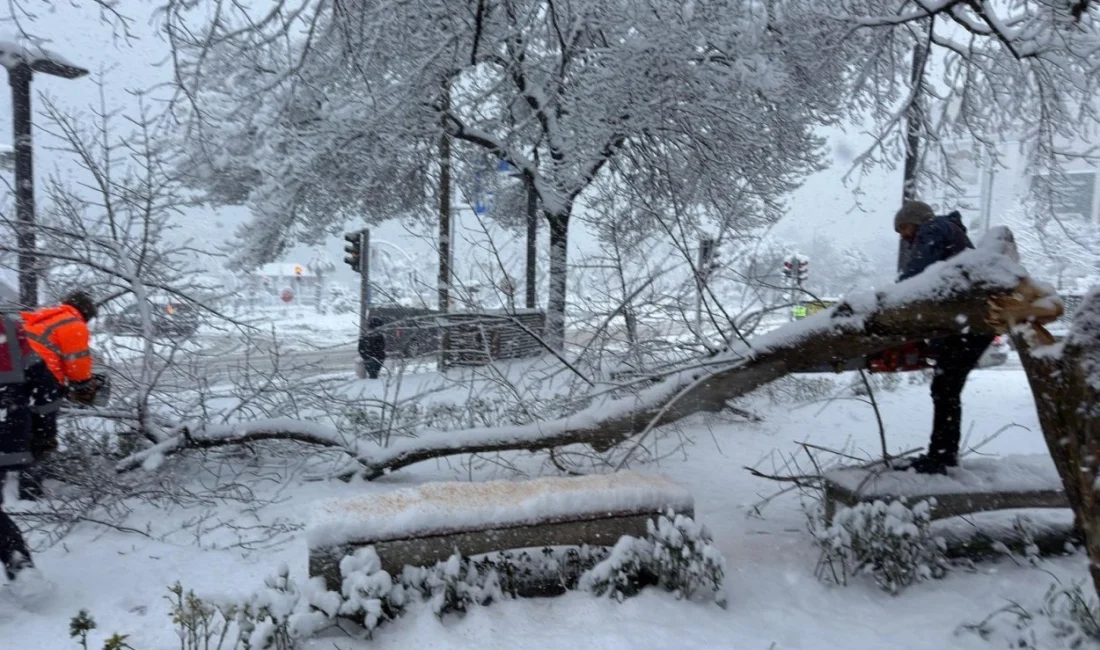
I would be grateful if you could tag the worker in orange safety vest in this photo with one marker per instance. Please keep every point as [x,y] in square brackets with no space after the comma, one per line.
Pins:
[60,336]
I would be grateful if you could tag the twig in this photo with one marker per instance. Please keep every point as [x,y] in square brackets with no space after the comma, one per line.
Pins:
[878,416]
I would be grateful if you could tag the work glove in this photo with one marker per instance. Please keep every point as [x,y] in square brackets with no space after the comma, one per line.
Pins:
[84,392]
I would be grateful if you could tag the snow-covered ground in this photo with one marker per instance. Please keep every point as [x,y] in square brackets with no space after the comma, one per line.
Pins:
[774,600]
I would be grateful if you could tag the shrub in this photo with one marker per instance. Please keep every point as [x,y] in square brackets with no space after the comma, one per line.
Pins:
[1066,618]
[889,541]
[676,555]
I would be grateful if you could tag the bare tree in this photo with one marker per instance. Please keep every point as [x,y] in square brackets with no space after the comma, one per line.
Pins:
[941,71]
[328,109]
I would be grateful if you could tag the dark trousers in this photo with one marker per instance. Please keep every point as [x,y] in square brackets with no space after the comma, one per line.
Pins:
[14,554]
[372,366]
[43,443]
[956,356]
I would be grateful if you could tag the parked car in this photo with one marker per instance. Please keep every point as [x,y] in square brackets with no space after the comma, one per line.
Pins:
[996,354]
[170,319]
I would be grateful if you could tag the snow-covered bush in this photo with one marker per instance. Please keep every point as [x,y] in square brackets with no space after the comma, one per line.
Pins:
[1066,618]
[455,585]
[892,542]
[676,554]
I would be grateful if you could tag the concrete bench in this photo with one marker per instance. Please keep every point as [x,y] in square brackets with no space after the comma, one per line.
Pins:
[977,485]
[425,524]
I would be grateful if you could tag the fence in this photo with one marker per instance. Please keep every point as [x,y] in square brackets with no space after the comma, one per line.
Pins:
[409,332]
[479,339]
[463,339]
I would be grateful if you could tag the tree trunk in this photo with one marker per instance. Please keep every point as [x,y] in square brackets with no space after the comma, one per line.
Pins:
[555,303]
[1066,388]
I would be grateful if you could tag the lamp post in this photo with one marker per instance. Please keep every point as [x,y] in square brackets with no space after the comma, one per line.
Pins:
[22,62]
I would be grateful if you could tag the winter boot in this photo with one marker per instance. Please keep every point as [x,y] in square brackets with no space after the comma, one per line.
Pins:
[18,563]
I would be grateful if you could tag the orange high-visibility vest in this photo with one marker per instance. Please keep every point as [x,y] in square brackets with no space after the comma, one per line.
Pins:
[60,336]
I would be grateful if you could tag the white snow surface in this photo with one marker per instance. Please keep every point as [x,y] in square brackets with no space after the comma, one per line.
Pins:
[121,575]
[1025,473]
[450,506]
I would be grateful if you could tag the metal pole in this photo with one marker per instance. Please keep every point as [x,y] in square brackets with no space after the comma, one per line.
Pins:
[532,242]
[699,290]
[364,282]
[20,79]
[445,213]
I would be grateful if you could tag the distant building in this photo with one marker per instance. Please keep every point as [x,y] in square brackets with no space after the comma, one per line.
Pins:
[988,190]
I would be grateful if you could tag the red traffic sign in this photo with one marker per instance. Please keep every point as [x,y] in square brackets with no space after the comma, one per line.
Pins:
[287,295]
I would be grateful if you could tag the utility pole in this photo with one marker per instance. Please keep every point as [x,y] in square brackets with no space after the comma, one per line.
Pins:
[532,241]
[20,79]
[21,65]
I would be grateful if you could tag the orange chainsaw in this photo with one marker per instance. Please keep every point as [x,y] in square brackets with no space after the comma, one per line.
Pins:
[905,358]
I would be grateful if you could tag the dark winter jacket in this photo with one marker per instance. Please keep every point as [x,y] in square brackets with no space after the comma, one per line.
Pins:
[372,345]
[16,361]
[937,240]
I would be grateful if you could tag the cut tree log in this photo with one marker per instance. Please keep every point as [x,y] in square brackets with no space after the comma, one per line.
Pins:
[977,291]
[977,485]
[428,523]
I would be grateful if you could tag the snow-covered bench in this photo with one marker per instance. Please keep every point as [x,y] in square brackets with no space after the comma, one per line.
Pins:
[977,485]
[425,524]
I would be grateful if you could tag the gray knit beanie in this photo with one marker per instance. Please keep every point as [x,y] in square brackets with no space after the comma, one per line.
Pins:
[915,212]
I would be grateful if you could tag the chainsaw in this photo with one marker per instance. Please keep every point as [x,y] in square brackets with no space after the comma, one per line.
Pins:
[905,358]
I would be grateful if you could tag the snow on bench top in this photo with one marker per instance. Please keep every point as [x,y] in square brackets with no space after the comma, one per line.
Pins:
[439,508]
[1007,474]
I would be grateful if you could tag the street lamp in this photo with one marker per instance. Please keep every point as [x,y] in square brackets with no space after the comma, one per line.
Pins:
[22,61]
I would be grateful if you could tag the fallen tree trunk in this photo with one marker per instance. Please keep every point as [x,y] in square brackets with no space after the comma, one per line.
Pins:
[1065,382]
[977,291]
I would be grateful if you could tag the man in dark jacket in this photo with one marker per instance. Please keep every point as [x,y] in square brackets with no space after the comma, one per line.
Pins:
[16,363]
[372,348]
[928,239]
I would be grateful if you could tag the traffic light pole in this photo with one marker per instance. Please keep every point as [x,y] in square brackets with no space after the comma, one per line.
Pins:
[364,282]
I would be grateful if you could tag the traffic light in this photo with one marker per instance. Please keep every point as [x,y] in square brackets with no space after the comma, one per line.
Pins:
[796,267]
[353,250]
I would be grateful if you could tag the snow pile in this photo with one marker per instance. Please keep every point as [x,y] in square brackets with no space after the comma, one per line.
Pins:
[891,542]
[677,554]
[454,506]
[1025,473]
